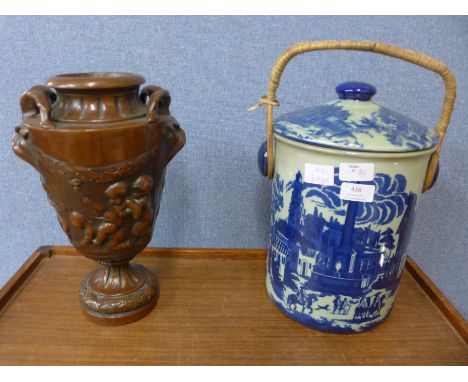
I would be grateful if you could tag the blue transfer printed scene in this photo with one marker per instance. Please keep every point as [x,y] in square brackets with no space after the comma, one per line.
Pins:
[362,126]
[338,268]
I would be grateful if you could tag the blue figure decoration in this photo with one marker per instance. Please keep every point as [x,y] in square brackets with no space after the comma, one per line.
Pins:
[338,268]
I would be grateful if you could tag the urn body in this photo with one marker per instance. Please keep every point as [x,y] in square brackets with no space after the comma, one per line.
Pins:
[101,147]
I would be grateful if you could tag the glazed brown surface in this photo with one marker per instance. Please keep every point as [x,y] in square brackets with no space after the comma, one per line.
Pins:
[95,80]
[101,146]
[213,309]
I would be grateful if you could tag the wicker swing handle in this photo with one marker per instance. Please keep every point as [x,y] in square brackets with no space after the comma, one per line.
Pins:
[368,46]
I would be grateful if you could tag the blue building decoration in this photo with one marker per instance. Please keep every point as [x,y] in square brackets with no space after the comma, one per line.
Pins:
[334,275]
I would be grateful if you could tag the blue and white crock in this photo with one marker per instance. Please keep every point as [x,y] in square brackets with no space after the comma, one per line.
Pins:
[347,179]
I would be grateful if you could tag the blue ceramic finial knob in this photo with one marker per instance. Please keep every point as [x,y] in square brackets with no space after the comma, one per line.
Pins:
[356,91]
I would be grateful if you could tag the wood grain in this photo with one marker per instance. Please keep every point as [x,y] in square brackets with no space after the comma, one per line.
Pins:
[213,309]
[436,295]
[22,274]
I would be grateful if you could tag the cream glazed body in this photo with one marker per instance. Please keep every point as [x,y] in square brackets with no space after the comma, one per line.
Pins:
[335,264]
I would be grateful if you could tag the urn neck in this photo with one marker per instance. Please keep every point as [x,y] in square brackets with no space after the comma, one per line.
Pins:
[109,105]
[96,97]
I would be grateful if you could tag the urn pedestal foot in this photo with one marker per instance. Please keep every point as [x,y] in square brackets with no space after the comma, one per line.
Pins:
[118,293]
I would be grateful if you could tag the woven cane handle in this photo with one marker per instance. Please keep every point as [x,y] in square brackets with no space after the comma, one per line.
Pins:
[368,46]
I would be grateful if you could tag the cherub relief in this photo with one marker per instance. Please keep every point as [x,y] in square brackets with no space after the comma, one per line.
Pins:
[113,217]
[79,221]
[139,205]
[110,230]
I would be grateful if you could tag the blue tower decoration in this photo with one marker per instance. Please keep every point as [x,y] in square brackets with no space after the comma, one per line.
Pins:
[345,258]
[295,222]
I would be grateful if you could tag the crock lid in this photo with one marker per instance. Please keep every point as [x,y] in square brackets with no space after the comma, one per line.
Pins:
[354,122]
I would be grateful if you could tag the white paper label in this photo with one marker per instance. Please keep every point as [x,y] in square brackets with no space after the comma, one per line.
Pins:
[356,171]
[319,174]
[357,192]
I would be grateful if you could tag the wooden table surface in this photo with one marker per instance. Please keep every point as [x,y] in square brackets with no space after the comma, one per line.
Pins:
[213,309]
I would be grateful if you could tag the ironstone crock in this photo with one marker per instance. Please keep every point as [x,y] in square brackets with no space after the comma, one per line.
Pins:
[347,177]
[101,147]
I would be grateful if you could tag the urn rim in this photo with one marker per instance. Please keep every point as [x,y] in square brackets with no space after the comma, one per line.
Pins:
[95,80]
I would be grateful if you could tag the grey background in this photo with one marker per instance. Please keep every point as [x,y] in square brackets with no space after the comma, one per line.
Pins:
[215,67]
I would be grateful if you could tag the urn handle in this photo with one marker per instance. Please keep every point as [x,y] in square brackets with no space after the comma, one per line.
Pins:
[416,58]
[37,100]
[157,102]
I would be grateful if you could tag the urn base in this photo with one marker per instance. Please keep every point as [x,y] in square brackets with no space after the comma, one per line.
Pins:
[118,294]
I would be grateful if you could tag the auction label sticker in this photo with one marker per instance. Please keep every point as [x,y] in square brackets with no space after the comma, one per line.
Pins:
[357,192]
[319,174]
[356,171]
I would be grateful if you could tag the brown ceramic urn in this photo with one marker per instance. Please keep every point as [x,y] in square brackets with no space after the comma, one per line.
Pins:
[101,146]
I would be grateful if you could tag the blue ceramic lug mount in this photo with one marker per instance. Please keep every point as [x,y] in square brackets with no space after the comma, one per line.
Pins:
[262,159]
